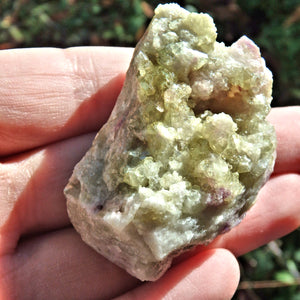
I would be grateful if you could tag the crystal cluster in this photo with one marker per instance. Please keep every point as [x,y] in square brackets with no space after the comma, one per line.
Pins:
[185,151]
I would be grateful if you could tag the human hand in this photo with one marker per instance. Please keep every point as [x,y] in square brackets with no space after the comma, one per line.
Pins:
[51,103]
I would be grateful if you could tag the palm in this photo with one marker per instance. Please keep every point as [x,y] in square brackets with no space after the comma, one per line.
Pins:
[52,102]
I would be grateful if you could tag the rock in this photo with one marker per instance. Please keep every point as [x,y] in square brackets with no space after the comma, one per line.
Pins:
[185,151]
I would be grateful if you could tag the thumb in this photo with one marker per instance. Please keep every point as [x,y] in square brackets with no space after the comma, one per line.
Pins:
[212,274]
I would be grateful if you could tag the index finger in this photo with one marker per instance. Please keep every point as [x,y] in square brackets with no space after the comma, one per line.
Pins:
[49,94]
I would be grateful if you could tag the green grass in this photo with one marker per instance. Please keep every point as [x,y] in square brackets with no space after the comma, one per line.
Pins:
[272,271]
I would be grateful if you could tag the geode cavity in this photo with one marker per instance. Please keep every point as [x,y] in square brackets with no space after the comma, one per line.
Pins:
[185,151]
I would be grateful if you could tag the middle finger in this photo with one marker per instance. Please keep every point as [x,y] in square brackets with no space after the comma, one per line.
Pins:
[33,184]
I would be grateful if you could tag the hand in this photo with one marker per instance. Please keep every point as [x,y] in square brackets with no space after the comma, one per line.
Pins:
[51,104]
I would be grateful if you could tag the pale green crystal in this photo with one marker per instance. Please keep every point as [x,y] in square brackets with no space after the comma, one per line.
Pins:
[185,150]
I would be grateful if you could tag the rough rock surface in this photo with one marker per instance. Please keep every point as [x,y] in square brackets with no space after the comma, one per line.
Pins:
[185,151]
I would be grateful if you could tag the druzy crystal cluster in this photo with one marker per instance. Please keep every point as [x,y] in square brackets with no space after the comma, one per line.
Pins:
[185,151]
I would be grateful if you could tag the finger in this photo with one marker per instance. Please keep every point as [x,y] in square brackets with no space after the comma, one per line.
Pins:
[287,125]
[31,186]
[212,274]
[59,265]
[275,214]
[49,94]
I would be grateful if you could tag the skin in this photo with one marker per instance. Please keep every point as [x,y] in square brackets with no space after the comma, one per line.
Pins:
[52,102]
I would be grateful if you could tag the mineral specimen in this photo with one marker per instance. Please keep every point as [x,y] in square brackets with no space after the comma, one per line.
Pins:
[185,151]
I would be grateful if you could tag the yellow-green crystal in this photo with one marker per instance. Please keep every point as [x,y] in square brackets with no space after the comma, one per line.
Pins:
[185,150]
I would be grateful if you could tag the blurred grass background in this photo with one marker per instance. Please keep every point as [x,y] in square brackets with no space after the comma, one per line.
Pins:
[272,271]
